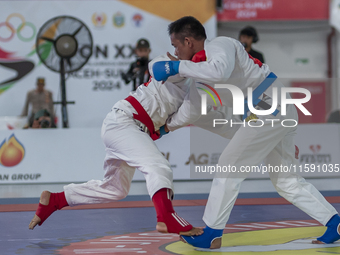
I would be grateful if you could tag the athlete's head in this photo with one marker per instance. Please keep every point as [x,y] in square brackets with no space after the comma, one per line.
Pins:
[187,35]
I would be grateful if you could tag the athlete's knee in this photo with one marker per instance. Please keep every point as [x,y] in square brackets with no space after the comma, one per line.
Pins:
[157,164]
[121,194]
[157,172]
[287,186]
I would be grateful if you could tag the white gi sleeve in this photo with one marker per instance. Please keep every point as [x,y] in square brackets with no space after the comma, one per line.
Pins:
[222,114]
[220,63]
[188,112]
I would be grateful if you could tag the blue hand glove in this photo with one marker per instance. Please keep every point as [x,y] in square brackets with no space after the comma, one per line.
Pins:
[163,69]
[162,131]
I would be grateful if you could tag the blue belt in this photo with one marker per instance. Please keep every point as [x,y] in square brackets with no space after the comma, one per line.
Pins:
[258,92]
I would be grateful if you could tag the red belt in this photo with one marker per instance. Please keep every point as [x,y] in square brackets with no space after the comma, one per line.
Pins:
[143,116]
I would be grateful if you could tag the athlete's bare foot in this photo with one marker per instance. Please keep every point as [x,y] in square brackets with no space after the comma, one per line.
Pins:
[44,200]
[162,228]
[320,242]
[216,244]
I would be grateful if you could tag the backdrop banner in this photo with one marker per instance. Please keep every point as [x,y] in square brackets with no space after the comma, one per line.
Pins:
[77,155]
[115,27]
[246,10]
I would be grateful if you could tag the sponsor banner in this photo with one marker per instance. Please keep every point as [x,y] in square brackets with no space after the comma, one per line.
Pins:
[115,27]
[72,155]
[319,154]
[77,155]
[50,155]
[319,146]
[241,10]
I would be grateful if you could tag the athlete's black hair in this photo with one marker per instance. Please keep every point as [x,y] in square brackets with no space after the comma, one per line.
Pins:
[187,26]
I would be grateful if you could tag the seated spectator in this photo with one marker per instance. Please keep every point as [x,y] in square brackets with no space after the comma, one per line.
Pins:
[42,119]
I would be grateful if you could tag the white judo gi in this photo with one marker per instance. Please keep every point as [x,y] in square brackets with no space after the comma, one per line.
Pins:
[128,143]
[228,63]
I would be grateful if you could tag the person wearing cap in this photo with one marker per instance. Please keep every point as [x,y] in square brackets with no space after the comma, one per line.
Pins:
[247,37]
[39,99]
[138,72]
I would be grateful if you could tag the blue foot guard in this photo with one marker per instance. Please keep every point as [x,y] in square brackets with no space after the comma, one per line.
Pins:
[205,240]
[332,234]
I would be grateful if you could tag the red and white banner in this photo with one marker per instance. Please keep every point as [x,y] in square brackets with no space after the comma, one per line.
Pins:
[238,10]
[318,105]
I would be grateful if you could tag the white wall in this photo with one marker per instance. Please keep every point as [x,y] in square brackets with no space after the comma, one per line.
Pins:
[293,50]
[286,44]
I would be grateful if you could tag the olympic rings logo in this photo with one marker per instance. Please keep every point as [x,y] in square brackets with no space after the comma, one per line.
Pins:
[19,29]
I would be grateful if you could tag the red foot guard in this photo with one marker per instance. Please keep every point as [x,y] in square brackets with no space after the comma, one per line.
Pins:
[49,203]
[166,213]
[175,223]
[57,202]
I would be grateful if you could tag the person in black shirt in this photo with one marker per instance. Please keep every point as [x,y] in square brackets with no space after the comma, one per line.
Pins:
[138,72]
[247,37]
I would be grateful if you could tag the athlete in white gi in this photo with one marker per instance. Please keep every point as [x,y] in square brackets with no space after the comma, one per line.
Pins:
[129,147]
[227,62]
